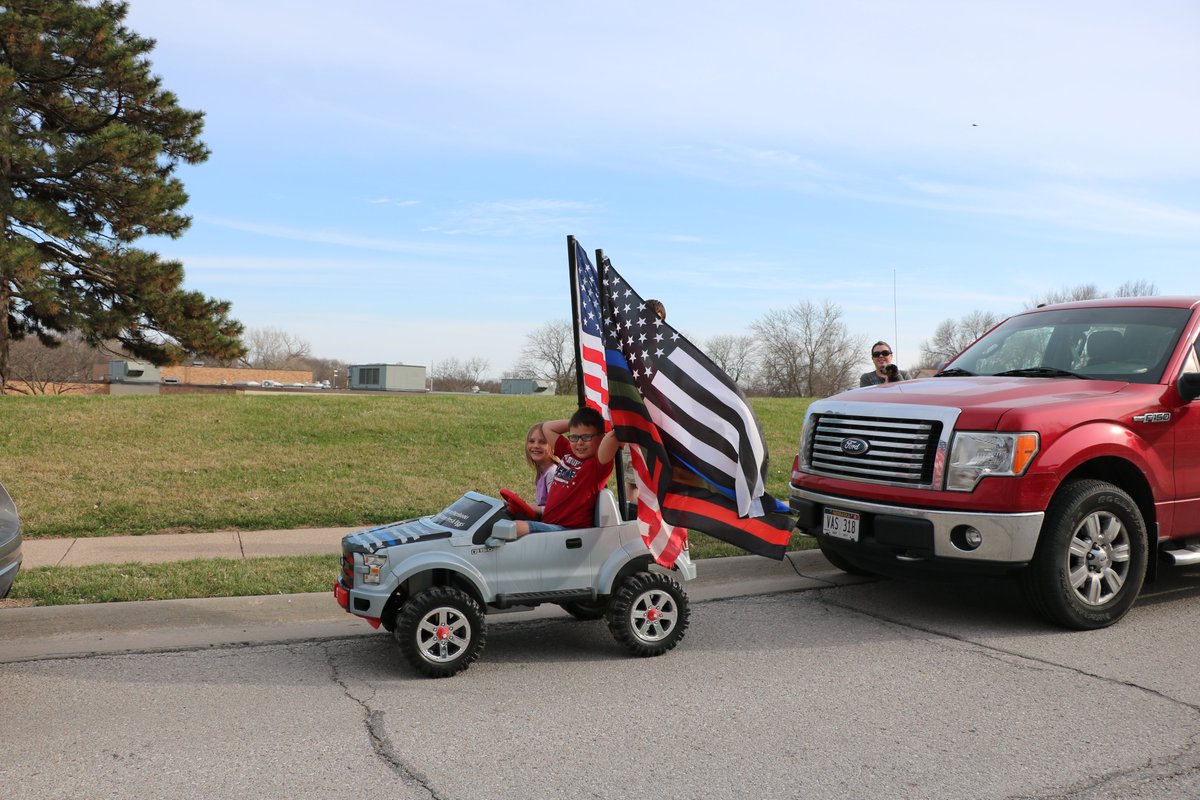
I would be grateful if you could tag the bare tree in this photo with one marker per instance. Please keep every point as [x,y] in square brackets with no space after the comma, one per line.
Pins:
[734,355]
[271,348]
[1138,288]
[952,336]
[452,375]
[805,351]
[1088,291]
[549,354]
[333,370]
[38,368]
[1084,291]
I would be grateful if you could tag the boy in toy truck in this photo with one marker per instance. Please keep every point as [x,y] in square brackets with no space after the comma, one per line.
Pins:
[585,454]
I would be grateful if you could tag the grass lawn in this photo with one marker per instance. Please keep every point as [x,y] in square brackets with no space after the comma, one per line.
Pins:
[102,465]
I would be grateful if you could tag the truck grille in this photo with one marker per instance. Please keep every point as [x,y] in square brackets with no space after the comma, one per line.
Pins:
[347,569]
[896,451]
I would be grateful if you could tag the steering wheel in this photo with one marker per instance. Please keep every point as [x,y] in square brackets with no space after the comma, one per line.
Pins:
[516,506]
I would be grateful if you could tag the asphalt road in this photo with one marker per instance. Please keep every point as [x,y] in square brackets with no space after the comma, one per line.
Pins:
[868,690]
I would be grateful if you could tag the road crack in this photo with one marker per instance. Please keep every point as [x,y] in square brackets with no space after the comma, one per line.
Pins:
[381,743]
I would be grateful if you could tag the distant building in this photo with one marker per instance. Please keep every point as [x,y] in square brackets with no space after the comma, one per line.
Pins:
[388,377]
[128,371]
[526,386]
[133,372]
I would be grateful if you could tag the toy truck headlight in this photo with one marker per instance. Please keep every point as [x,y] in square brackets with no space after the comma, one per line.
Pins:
[372,567]
[975,455]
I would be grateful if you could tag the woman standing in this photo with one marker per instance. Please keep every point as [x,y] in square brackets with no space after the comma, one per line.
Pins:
[885,371]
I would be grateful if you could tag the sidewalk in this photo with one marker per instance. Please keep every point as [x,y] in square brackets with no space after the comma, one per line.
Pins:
[159,548]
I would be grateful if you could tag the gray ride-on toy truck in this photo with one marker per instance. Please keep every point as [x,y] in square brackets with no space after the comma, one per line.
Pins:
[430,580]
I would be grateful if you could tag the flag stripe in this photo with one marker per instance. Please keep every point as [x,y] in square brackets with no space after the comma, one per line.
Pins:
[767,536]
[698,452]
[698,413]
[632,424]
[728,418]
[725,399]
[591,333]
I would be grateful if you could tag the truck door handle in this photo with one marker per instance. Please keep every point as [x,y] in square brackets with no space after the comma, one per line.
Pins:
[574,543]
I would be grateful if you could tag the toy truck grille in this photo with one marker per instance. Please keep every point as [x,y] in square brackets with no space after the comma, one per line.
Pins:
[874,449]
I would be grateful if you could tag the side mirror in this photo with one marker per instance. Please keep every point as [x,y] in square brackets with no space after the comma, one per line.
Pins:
[504,530]
[1189,386]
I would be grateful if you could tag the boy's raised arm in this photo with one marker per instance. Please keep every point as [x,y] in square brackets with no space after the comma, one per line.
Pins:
[608,447]
[552,429]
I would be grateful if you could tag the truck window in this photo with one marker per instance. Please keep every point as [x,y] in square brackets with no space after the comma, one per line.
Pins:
[1127,344]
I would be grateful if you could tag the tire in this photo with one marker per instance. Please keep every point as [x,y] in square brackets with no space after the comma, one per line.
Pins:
[648,614]
[586,610]
[1091,557]
[838,560]
[440,631]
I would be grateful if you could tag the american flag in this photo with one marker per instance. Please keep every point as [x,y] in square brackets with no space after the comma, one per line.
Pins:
[703,461]
[591,335]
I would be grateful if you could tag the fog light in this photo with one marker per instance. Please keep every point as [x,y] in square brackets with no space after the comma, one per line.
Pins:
[965,537]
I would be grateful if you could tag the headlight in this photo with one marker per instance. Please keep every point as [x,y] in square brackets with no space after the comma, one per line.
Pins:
[372,565]
[975,455]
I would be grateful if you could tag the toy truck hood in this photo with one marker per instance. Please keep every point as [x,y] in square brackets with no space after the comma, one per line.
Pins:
[406,531]
[464,518]
[983,400]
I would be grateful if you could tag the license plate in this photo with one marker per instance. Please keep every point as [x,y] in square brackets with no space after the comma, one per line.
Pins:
[840,524]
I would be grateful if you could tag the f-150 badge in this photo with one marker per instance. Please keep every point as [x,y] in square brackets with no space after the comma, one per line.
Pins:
[1153,416]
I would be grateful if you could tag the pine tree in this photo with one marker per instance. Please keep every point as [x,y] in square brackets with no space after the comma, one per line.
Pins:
[89,145]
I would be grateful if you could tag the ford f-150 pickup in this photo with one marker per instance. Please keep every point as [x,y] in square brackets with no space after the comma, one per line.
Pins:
[1061,448]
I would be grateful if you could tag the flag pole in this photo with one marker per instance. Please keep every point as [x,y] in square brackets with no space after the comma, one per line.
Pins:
[573,268]
[619,466]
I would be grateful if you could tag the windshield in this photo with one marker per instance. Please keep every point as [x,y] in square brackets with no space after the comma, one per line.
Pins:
[1125,344]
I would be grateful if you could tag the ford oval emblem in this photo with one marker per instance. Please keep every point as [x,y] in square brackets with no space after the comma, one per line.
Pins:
[854,446]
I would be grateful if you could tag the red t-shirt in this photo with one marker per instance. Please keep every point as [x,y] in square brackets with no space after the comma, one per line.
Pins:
[574,487]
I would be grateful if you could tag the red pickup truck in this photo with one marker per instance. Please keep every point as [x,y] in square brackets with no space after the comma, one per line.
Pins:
[1061,448]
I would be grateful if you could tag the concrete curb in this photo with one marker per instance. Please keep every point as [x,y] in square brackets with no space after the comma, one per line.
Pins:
[28,634]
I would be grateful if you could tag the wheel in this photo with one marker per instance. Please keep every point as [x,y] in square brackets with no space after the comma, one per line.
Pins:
[440,631]
[586,610]
[1091,557]
[648,614]
[838,560]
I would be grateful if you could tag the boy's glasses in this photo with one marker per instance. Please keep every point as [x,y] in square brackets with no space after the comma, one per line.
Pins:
[581,437]
[881,353]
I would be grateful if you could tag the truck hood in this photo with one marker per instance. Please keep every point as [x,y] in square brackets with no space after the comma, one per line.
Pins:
[983,400]
[407,531]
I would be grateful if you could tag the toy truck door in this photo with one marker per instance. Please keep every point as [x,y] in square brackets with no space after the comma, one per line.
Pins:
[547,561]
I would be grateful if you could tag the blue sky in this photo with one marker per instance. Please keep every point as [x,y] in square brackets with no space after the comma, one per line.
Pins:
[394,181]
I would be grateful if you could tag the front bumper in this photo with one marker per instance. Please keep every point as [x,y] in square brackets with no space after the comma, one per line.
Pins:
[919,533]
[342,596]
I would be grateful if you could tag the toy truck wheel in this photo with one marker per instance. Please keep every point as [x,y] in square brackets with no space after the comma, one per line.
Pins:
[440,631]
[1091,558]
[586,610]
[648,614]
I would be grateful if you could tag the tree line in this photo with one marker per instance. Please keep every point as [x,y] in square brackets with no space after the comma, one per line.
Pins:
[805,350]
